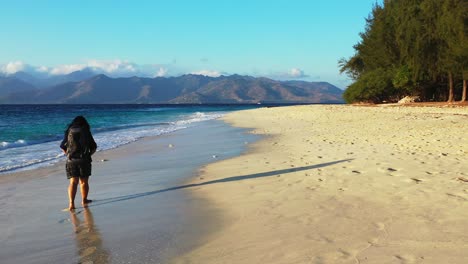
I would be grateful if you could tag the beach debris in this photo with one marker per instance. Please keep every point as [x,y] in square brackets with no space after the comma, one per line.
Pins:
[214,156]
[409,99]
[463,179]
[391,169]
[355,171]
[104,160]
[170,146]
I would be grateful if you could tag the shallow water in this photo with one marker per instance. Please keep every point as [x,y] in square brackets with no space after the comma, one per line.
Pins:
[30,134]
[142,210]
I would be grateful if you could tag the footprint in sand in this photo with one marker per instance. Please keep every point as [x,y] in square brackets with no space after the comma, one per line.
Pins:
[462,179]
[380,226]
[459,197]
[326,239]
[344,255]
[405,259]
[417,181]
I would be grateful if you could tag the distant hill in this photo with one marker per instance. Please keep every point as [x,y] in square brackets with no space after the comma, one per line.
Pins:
[9,85]
[45,81]
[185,89]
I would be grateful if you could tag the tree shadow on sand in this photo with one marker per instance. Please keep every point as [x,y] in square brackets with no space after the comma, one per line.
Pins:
[225,180]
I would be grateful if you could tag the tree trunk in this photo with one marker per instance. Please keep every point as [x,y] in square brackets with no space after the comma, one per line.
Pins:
[450,95]
[464,91]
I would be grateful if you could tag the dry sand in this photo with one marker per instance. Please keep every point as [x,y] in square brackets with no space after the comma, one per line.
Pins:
[342,184]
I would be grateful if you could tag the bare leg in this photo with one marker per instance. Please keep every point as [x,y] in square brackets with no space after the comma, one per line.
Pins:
[84,186]
[72,192]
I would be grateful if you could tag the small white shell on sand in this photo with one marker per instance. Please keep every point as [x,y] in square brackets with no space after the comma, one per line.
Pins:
[215,156]
[104,160]
[170,146]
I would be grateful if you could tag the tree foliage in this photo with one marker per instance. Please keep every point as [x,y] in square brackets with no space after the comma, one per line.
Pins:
[409,47]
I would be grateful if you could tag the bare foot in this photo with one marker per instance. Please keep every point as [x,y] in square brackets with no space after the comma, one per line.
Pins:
[71,207]
[86,202]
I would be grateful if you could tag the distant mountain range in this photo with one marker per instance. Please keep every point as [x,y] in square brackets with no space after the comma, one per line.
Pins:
[85,87]
[45,80]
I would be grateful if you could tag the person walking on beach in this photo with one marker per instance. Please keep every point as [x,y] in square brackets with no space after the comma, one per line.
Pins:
[78,144]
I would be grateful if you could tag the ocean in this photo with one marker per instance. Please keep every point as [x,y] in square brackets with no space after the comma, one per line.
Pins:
[30,135]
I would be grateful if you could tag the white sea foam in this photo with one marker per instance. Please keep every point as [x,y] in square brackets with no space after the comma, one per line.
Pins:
[25,157]
[198,117]
[18,143]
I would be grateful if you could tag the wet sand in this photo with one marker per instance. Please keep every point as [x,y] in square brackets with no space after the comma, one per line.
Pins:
[342,184]
[141,211]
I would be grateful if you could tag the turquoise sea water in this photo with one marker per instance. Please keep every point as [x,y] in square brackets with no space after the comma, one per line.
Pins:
[30,134]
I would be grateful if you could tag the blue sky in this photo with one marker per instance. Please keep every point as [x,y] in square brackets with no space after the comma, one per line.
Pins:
[279,39]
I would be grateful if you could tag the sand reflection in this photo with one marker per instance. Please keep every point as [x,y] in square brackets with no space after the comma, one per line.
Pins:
[88,239]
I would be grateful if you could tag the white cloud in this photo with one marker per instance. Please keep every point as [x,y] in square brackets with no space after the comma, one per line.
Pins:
[42,69]
[207,73]
[113,68]
[66,69]
[161,72]
[297,73]
[293,73]
[13,67]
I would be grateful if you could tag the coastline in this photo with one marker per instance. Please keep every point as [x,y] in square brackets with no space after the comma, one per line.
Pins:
[141,209]
[341,184]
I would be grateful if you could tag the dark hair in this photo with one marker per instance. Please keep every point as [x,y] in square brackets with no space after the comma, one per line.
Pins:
[78,121]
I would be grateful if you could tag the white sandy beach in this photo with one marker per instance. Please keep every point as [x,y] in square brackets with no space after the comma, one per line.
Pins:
[342,184]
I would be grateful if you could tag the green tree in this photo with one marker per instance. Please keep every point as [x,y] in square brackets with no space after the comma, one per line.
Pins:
[409,47]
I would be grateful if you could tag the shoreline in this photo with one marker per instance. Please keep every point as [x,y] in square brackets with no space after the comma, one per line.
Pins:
[322,188]
[141,210]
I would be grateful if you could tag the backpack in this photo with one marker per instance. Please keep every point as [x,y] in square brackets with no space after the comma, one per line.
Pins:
[78,144]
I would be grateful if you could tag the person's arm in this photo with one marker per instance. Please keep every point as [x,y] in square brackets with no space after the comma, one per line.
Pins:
[63,145]
[93,145]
